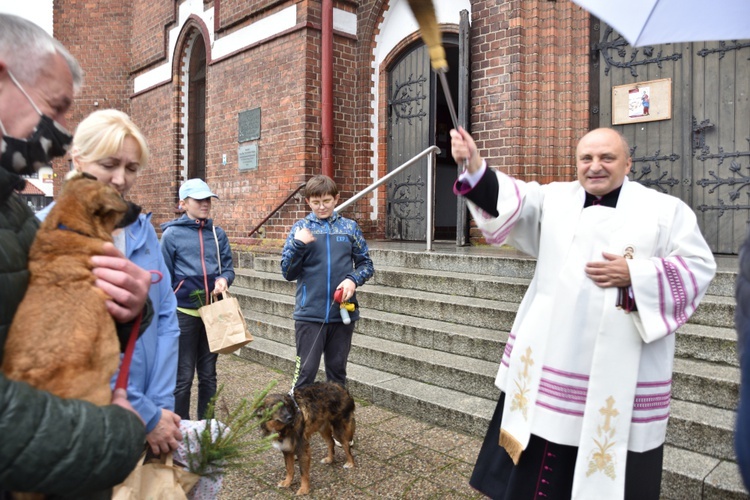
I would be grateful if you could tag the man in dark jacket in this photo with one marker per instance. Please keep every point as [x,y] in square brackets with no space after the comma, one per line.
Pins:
[64,448]
[742,323]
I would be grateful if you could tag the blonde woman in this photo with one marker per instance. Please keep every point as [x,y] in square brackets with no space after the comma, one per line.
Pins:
[109,146]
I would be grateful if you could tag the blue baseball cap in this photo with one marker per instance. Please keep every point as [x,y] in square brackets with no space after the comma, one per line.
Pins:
[196,189]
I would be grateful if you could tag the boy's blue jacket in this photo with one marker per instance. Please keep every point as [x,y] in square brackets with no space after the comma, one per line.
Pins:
[153,369]
[338,252]
[186,245]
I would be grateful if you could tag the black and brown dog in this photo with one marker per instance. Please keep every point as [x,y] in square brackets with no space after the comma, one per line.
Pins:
[323,407]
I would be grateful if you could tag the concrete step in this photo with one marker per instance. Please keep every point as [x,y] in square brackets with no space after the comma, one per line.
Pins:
[708,343]
[507,264]
[708,383]
[702,429]
[714,310]
[391,342]
[480,313]
[512,265]
[693,421]
[434,367]
[453,283]
[694,341]
[689,475]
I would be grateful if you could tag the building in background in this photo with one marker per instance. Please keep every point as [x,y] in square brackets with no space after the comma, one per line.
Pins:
[237,92]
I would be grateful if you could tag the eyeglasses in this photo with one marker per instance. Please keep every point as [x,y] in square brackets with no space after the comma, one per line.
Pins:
[325,203]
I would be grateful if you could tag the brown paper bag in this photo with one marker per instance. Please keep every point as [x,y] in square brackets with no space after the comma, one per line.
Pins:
[225,325]
[156,479]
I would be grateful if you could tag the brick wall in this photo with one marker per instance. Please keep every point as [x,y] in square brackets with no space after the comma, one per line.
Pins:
[98,35]
[529,95]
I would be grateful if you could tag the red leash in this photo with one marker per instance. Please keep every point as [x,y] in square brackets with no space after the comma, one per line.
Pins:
[122,377]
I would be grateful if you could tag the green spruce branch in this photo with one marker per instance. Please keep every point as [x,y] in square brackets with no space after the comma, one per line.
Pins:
[225,443]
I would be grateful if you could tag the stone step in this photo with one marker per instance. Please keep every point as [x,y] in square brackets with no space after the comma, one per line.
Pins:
[701,342]
[439,368]
[687,473]
[708,383]
[694,385]
[703,429]
[481,313]
[714,310]
[453,283]
[506,264]
[391,342]
[477,343]
[709,343]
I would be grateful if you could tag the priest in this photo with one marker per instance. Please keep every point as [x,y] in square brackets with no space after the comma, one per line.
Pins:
[587,370]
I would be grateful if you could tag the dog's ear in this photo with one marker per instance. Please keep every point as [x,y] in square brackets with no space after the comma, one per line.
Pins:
[111,208]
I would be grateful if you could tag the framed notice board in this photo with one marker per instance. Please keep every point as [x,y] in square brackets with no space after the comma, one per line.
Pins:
[642,102]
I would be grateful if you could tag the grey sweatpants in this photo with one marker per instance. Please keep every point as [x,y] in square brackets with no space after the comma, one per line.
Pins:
[332,340]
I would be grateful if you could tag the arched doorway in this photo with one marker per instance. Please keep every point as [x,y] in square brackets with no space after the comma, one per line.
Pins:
[418,117]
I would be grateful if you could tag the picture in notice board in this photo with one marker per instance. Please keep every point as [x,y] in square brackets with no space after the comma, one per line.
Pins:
[642,102]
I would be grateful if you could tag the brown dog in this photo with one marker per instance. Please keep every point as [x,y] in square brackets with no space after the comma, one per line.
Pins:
[322,407]
[62,338]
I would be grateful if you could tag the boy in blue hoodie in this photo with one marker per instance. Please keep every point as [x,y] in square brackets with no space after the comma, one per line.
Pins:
[199,259]
[324,252]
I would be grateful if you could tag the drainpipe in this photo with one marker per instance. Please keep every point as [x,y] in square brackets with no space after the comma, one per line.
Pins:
[327,87]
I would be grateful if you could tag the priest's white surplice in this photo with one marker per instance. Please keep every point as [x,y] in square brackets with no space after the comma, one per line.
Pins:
[576,369]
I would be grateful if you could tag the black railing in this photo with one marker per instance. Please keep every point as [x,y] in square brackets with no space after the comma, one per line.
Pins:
[273,212]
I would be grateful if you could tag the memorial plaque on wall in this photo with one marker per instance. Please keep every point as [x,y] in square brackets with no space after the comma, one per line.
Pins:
[642,102]
[247,157]
[248,125]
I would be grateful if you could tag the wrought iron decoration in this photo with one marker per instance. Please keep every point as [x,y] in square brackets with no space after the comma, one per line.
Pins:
[405,199]
[723,49]
[642,176]
[737,181]
[619,44]
[408,97]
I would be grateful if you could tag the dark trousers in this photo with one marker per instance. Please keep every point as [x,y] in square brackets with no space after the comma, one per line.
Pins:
[194,356]
[333,341]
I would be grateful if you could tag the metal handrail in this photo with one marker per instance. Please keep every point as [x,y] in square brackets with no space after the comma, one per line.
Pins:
[430,153]
[273,212]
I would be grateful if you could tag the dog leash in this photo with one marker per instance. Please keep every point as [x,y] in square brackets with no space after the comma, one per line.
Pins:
[315,341]
[122,376]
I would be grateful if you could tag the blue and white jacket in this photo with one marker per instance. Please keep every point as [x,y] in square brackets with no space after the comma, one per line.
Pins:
[338,252]
[153,369]
[189,249]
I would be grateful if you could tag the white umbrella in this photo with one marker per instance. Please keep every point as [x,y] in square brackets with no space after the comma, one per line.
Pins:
[650,22]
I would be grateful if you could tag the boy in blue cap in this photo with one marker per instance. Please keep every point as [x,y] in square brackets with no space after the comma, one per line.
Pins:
[199,259]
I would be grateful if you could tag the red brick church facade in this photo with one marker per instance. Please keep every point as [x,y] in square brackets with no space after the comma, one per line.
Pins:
[190,72]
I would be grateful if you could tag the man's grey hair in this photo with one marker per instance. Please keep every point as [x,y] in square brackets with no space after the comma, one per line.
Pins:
[25,47]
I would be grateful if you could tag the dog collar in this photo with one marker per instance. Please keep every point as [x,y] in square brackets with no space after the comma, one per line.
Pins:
[66,228]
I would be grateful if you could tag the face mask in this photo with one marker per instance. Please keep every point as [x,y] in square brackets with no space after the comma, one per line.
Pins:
[49,140]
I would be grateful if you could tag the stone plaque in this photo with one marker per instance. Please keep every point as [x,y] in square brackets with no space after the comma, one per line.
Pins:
[249,125]
[247,157]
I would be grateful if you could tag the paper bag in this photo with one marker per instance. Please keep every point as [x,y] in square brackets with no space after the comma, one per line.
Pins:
[225,325]
[156,479]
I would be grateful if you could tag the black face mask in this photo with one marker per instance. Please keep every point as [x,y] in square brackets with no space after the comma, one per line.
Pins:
[49,140]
